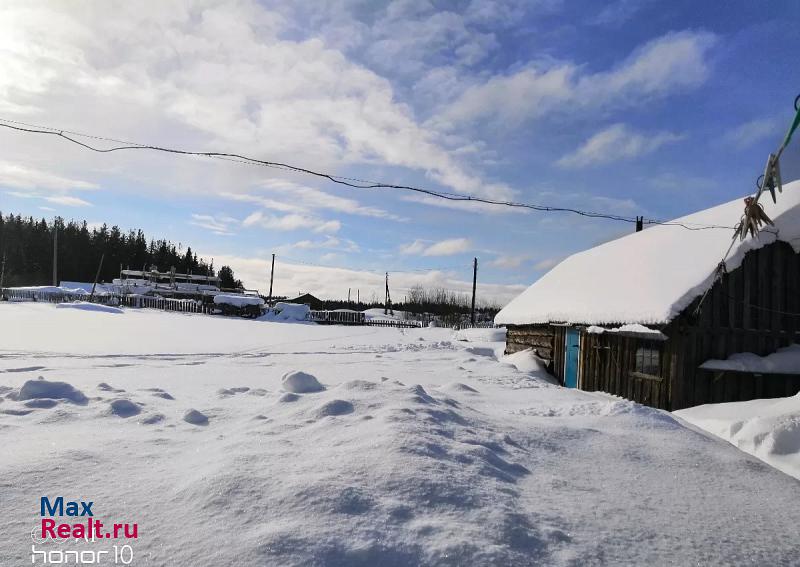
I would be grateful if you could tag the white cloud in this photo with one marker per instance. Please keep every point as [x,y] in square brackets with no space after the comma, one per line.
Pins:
[414,248]
[673,62]
[447,247]
[25,177]
[291,222]
[67,201]
[193,74]
[219,225]
[309,198]
[329,243]
[508,261]
[464,206]
[618,12]
[331,282]
[615,143]
[752,132]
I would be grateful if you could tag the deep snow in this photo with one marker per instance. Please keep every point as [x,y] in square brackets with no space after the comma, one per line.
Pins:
[783,361]
[768,429]
[421,449]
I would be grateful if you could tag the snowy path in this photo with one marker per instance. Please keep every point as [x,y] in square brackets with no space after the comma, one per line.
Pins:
[421,450]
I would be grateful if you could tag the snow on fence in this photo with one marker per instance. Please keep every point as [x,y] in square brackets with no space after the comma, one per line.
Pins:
[477,325]
[165,304]
[131,300]
[357,318]
[393,323]
[49,296]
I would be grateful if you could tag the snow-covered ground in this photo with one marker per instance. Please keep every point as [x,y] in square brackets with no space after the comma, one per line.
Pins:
[387,447]
[768,429]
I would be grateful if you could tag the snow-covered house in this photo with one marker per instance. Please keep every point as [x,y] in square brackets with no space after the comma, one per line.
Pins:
[639,316]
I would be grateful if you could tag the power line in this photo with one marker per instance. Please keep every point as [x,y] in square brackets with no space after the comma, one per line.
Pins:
[341,180]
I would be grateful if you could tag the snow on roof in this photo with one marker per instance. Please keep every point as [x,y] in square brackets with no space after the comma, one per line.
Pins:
[649,277]
[783,361]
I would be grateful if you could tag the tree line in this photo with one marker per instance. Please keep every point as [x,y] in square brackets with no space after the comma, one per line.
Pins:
[26,253]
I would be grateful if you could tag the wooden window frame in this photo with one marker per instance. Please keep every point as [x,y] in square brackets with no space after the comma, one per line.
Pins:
[655,346]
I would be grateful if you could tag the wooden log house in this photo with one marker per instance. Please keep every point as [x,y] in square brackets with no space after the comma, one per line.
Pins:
[639,316]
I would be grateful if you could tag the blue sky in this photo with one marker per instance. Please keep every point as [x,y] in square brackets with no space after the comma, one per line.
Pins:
[628,107]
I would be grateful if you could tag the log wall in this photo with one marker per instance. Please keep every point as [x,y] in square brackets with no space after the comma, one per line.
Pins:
[755,308]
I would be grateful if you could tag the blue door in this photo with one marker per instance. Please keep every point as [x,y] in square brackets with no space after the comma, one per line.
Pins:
[573,342]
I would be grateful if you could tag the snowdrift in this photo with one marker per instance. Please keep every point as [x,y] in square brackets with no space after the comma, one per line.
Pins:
[287,312]
[767,429]
[420,450]
[85,306]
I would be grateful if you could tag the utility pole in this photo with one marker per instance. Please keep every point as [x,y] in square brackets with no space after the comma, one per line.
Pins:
[271,276]
[97,276]
[348,295]
[55,254]
[387,305]
[358,296]
[3,277]
[639,224]
[474,282]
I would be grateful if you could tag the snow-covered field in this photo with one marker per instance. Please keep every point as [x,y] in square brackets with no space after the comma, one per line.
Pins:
[768,429]
[420,449]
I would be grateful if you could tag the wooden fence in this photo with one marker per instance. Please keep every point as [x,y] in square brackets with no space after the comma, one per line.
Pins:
[12,294]
[394,323]
[131,300]
[166,304]
[337,317]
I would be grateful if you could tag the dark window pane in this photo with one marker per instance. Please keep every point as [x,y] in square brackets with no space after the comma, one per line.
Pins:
[648,361]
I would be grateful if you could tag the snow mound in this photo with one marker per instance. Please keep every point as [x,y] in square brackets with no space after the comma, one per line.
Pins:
[152,419]
[490,335]
[287,312]
[783,361]
[288,397]
[105,387]
[301,383]
[377,314]
[458,387]
[38,389]
[333,408]
[124,408]
[195,417]
[482,351]
[86,306]
[767,429]
[527,361]
[41,403]
[359,385]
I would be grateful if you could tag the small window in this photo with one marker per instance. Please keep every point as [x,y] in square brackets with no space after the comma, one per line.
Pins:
[648,361]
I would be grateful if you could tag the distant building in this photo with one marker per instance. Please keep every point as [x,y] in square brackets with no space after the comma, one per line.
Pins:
[308,299]
[645,316]
[169,283]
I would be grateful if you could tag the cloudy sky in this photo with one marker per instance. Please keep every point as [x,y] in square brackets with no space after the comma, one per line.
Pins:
[631,107]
